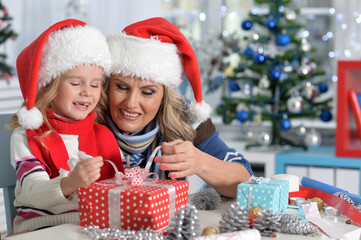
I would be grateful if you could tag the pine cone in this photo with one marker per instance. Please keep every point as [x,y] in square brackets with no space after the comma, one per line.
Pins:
[293,225]
[185,225]
[268,224]
[344,197]
[234,219]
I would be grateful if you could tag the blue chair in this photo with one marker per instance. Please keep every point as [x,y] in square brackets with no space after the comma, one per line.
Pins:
[7,172]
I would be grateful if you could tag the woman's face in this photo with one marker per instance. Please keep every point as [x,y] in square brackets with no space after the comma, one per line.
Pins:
[133,102]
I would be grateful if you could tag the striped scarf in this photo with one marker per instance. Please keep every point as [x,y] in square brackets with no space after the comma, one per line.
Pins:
[134,146]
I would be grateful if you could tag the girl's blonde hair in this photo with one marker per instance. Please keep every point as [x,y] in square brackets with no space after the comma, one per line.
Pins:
[172,116]
[43,101]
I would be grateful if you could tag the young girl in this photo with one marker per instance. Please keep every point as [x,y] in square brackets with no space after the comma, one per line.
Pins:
[60,76]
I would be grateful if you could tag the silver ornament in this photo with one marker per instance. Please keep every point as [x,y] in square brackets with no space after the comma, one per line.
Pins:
[287,69]
[310,91]
[246,89]
[313,67]
[313,138]
[305,46]
[264,139]
[264,82]
[295,104]
[291,15]
[304,70]
[255,37]
[301,131]
[241,106]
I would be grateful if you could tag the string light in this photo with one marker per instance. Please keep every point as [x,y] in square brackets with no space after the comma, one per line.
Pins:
[202,17]
[331,54]
[347,53]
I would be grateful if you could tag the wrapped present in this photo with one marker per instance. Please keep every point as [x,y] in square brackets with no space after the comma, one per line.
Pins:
[129,202]
[263,192]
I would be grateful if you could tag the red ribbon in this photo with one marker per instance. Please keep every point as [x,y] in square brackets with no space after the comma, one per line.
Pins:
[334,201]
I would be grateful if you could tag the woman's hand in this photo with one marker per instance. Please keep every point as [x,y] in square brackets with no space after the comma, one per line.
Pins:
[181,158]
[85,173]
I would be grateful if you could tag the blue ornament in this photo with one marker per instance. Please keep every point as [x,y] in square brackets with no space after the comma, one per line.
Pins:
[323,87]
[224,119]
[271,24]
[283,39]
[284,124]
[242,116]
[275,74]
[246,25]
[259,58]
[220,107]
[233,86]
[326,115]
[248,52]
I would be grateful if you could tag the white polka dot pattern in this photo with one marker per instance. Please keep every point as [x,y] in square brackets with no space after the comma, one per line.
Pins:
[135,207]
[272,195]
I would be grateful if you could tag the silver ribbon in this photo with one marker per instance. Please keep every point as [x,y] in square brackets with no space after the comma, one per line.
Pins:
[254,180]
[114,200]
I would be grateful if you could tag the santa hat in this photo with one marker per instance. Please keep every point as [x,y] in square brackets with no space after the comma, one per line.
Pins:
[60,48]
[155,49]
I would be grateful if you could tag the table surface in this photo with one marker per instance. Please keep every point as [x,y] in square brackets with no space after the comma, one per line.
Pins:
[207,218]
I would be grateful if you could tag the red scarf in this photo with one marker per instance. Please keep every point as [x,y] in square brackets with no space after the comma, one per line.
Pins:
[94,139]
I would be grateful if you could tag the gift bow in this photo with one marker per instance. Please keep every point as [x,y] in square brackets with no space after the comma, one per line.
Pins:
[135,175]
[257,180]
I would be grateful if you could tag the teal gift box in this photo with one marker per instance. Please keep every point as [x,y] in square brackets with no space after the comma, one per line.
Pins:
[265,193]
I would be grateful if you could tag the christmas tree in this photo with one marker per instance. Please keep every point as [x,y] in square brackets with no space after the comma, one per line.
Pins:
[276,79]
[6,33]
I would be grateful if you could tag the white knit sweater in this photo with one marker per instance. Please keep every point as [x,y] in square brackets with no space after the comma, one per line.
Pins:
[39,199]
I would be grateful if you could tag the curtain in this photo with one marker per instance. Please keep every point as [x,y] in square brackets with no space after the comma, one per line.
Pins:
[347,23]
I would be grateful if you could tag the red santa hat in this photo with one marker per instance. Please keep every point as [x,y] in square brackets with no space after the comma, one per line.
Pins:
[60,48]
[155,49]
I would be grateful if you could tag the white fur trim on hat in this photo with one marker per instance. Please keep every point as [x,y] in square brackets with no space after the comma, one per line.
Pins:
[146,58]
[199,112]
[30,119]
[69,47]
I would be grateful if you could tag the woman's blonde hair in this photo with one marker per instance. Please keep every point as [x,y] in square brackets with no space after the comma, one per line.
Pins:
[43,101]
[172,116]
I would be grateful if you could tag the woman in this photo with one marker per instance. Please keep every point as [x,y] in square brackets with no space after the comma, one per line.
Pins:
[145,111]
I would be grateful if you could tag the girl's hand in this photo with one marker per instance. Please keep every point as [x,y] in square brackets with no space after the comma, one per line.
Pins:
[181,158]
[85,173]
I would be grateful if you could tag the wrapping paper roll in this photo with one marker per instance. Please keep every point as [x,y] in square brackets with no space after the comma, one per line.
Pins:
[249,234]
[294,181]
[311,183]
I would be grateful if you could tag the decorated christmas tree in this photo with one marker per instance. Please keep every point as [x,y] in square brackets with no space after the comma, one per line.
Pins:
[276,78]
[6,33]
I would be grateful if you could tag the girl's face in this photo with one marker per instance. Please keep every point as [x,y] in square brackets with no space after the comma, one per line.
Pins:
[79,92]
[133,102]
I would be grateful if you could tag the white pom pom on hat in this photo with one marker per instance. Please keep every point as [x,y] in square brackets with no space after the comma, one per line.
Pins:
[155,49]
[60,48]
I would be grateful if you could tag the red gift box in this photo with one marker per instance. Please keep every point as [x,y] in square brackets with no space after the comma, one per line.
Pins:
[109,205]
